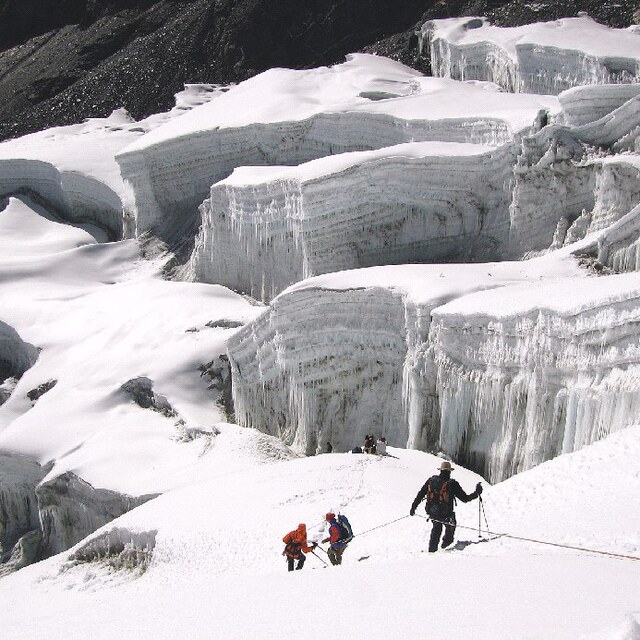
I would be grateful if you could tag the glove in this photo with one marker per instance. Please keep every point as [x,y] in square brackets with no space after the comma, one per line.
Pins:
[412,512]
[314,545]
[479,489]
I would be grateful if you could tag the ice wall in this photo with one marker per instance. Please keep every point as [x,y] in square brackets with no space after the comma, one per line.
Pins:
[40,517]
[424,202]
[585,104]
[70,509]
[323,366]
[514,392]
[569,181]
[169,181]
[545,58]
[499,393]
[73,196]
[287,117]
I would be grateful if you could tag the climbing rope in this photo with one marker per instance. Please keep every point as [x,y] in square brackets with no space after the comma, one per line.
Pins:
[386,524]
[546,542]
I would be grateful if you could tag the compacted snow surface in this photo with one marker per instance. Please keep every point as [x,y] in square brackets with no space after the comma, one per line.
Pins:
[162,520]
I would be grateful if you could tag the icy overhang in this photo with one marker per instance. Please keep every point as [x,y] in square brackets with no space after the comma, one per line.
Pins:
[571,34]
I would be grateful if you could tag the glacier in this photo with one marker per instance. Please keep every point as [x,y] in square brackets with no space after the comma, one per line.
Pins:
[327,200]
[338,109]
[545,58]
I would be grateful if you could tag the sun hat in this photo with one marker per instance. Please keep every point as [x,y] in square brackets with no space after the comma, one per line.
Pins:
[446,466]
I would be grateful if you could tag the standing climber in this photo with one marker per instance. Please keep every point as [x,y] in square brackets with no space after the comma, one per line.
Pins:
[340,535]
[441,492]
[297,546]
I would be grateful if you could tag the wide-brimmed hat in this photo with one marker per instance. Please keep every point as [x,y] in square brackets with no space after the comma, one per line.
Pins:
[446,466]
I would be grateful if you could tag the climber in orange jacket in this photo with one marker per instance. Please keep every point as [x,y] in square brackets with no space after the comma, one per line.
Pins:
[297,546]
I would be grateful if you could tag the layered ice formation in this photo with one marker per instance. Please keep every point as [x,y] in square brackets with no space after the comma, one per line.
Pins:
[264,229]
[527,360]
[363,104]
[545,58]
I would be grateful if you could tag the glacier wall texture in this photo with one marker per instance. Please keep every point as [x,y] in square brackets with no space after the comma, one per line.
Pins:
[40,517]
[381,209]
[167,182]
[499,395]
[546,66]
[515,393]
[72,196]
[315,368]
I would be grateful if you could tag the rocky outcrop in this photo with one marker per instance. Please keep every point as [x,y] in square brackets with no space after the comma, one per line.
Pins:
[63,61]
[84,59]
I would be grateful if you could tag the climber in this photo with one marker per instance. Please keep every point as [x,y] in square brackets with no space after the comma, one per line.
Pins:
[441,492]
[297,546]
[340,535]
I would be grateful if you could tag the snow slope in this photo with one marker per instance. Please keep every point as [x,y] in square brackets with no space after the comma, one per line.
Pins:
[216,571]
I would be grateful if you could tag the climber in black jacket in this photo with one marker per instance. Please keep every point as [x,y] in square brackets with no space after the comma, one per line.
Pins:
[441,492]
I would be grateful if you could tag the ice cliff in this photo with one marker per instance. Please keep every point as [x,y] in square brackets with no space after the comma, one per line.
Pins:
[544,58]
[498,391]
[492,366]
[366,103]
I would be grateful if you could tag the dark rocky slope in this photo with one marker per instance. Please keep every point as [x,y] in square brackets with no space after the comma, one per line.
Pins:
[65,60]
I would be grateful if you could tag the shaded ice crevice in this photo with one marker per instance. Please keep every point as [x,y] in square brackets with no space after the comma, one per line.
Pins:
[74,197]
[424,202]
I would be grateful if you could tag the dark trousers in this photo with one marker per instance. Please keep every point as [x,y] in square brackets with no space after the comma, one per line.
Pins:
[290,562]
[449,525]
[335,555]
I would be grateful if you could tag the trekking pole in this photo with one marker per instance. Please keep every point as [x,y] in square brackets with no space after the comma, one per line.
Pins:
[321,549]
[481,503]
[479,521]
[319,558]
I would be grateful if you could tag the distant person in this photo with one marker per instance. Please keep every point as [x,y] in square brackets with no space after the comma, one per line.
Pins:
[340,535]
[441,492]
[297,546]
[369,444]
[328,448]
[356,450]
[381,446]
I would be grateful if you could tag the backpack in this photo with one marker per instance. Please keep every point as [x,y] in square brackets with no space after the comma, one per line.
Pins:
[346,532]
[439,498]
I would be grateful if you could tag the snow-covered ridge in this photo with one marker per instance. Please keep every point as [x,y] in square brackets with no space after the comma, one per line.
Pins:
[545,58]
[365,103]
[418,202]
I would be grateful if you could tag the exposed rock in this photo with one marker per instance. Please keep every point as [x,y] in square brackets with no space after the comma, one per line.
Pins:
[63,61]
[40,390]
[141,392]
